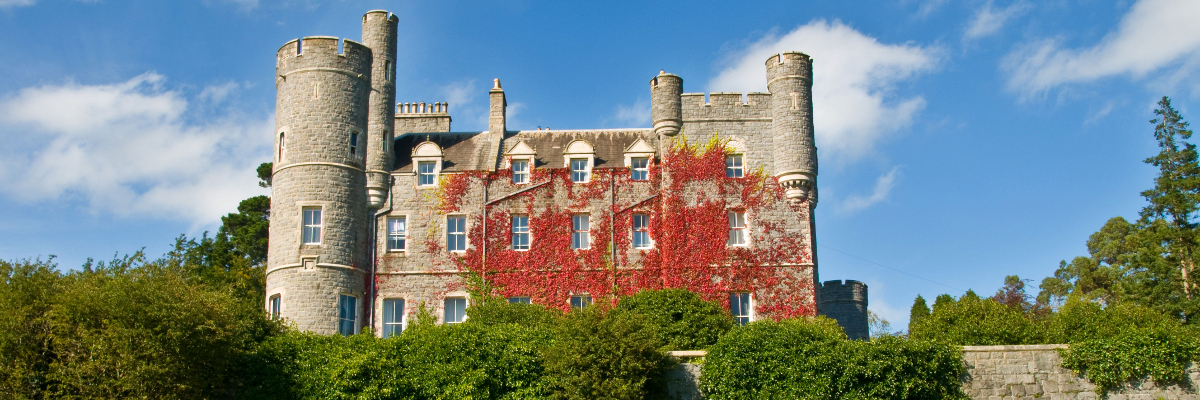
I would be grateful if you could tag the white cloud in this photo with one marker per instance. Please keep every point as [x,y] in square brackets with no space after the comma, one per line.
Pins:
[883,187]
[129,149]
[1153,35]
[929,6]
[16,3]
[853,77]
[626,116]
[988,20]
[218,93]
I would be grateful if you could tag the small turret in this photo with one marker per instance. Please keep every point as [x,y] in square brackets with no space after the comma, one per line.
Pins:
[379,33]
[665,108]
[847,304]
[789,79]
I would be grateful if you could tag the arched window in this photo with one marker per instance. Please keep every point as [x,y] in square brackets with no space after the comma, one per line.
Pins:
[281,146]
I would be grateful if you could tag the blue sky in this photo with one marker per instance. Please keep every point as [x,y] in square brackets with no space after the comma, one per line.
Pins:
[960,141]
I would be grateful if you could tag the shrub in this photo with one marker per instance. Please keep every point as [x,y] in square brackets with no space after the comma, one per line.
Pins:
[27,289]
[1157,352]
[682,318]
[972,321]
[812,359]
[599,356]
[438,362]
[496,311]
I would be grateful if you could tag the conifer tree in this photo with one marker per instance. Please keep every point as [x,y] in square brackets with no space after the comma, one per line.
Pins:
[1175,197]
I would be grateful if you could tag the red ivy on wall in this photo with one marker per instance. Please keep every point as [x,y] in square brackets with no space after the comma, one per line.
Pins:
[687,198]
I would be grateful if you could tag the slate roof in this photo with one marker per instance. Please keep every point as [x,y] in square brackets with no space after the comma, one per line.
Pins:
[466,151]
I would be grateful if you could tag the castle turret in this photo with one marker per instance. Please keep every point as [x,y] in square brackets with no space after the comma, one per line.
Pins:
[789,79]
[317,263]
[847,304]
[379,33]
[665,109]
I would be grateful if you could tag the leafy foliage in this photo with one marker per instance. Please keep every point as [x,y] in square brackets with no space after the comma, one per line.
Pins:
[972,321]
[602,354]
[495,311]
[812,359]
[683,320]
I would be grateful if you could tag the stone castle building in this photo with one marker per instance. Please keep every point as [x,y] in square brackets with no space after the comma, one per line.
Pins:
[379,208]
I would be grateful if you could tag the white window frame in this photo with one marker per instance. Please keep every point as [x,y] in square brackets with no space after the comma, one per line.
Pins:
[738,229]
[743,313]
[275,305]
[585,173]
[580,150]
[635,230]
[446,311]
[397,326]
[282,146]
[432,173]
[523,231]
[307,238]
[353,320]
[519,300]
[634,169]
[580,301]
[391,236]
[462,234]
[735,166]
[427,151]
[577,232]
[524,175]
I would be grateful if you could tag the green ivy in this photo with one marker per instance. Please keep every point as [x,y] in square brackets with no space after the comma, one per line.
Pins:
[684,320]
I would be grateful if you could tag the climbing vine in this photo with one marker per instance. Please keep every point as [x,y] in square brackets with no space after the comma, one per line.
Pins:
[687,198]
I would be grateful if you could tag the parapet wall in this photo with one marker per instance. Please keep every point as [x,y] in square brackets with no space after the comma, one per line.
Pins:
[725,106]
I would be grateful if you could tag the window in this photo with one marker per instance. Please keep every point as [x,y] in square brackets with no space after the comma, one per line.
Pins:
[641,231]
[456,308]
[737,228]
[274,305]
[347,314]
[733,166]
[520,171]
[282,144]
[387,70]
[393,317]
[580,231]
[641,168]
[520,232]
[425,173]
[354,144]
[383,139]
[312,225]
[518,300]
[456,233]
[739,306]
[397,232]
[579,170]
[578,302]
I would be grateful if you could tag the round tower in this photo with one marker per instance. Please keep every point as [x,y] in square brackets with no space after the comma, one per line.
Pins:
[665,106]
[317,257]
[379,34]
[789,79]
[846,303]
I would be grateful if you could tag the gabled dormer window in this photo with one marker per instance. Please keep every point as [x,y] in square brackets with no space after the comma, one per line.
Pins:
[637,158]
[520,161]
[640,168]
[520,171]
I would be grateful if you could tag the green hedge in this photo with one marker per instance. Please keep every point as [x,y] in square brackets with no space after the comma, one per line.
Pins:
[683,319]
[813,359]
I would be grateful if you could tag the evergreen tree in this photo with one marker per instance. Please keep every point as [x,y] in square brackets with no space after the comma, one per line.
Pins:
[919,310]
[1175,197]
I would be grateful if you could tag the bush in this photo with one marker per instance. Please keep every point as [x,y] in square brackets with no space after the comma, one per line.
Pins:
[972,321]
[496,311]
[682,318]
[27,289]
[439,362]
[599,356]
[812,359]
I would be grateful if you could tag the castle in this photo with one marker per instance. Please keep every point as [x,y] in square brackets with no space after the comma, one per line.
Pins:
[378,208]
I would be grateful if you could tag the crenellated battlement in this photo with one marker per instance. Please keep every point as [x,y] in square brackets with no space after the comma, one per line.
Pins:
[846,302]
[324,52]
[421,109]
[726,105]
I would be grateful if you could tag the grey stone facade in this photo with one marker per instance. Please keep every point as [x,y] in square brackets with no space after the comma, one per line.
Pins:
[1035,371]
[325,97]
[847,304]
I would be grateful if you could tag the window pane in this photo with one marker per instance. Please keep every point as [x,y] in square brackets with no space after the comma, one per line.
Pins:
[276,304]
[737,229]
[425,173]
[393,317]
[520,232]
[455,309]
[456,237]
[518,300]
[520,170]
[640,168]
[581,301]
[397,232]
[311,231]
[739,306]
[346,314]
[579,169]
[733,166]
[580,236]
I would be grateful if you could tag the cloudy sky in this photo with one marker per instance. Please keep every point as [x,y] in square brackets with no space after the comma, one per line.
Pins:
[960,141]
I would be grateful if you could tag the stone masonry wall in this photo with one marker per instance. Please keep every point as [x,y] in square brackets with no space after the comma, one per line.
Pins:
[1013,372]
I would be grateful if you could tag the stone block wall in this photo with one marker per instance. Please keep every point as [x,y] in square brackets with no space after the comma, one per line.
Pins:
[847,304]
[1035,371]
